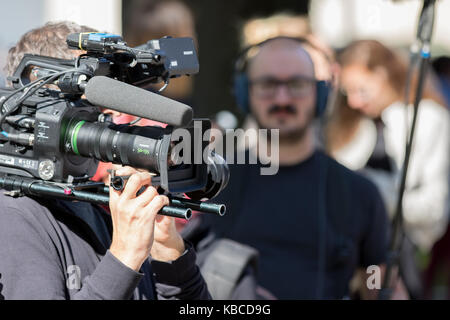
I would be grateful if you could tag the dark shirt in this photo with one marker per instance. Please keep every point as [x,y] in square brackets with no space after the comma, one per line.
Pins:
[313,223]
[59,250]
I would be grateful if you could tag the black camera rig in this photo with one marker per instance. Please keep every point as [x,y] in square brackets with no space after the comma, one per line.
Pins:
[51,137]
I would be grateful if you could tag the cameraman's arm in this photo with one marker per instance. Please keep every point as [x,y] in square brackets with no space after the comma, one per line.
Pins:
[134,219]
[174,265]
[173,261]
[180,278]
[31,266]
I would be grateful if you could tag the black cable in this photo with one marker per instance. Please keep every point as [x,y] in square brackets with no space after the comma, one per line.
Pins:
[21,99]
[34,86]
[9,111]
[20,90]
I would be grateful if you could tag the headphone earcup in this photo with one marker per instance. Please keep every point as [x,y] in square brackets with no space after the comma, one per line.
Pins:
[323,91]
[240,87]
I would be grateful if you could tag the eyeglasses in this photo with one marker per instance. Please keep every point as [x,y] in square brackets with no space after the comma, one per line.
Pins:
[267,87]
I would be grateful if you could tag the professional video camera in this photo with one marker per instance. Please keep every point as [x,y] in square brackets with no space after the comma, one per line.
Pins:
[52,131]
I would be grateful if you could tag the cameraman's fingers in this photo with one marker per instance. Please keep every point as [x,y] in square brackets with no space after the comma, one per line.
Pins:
[113,199]
[145,197]
[156,204]
[119,171]
[165,221]
[127,170]
[135,182]
[124,170]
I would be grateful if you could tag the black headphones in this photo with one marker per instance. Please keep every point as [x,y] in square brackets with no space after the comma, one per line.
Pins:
[241,81]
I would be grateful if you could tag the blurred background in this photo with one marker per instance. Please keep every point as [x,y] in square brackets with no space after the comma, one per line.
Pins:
[221,30]
[217,27]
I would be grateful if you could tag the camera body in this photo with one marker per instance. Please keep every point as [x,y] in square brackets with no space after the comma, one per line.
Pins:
[43,123]
[154,62]
[57,136]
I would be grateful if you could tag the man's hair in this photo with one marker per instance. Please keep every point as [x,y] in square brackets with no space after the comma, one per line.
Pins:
[49,40]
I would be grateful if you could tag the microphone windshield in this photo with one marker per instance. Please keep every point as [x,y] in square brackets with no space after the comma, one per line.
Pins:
[119,96]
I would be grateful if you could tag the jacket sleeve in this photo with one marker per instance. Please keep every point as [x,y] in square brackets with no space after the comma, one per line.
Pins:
[425,206]
[179,279]
[30,266]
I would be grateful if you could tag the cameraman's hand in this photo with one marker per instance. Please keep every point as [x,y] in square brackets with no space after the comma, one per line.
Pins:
[136,226]
[168,244]
[133,218]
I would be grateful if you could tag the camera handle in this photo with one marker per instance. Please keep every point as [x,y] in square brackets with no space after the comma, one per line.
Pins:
[17,186]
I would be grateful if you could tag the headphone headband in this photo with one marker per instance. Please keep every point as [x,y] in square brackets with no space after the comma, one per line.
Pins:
[241,61]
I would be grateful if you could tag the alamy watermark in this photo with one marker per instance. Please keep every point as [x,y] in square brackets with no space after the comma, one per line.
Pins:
[260,144]
[374,279]
[73,281]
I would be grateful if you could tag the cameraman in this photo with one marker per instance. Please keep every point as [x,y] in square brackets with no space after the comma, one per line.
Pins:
[54,249]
